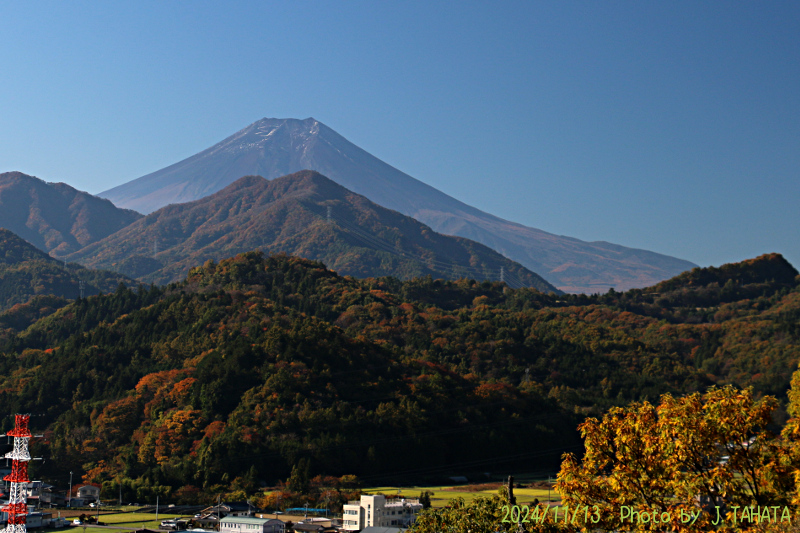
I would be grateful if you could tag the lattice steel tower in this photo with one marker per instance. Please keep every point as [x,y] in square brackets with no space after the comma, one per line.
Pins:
[17,507]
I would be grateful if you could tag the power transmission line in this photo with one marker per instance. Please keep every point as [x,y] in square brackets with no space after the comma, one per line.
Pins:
[373,241]
[377,242]
[383,245]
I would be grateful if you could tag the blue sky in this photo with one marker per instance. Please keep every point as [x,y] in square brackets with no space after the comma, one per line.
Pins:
[671,126]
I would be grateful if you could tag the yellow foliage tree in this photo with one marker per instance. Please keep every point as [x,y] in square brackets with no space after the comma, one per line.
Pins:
[685,461]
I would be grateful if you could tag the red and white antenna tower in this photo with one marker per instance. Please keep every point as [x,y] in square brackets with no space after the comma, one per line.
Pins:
[17,507]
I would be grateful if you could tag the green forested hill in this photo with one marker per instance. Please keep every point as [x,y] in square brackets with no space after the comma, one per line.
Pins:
[15,250]
[26,272]
[254,365]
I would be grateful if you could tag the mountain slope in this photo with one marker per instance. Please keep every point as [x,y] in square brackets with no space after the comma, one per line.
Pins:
[26,272]
[254,364]
[768,268]
[276,147]
[54,217]
[290,214]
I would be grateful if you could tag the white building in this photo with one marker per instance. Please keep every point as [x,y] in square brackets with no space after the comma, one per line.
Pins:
[33,519]
[377,511]
[244,524]
[89,493]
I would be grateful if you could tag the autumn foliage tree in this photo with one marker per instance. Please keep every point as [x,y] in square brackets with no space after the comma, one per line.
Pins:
[688,454]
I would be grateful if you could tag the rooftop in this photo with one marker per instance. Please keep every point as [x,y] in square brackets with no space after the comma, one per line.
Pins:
[245,520]
[402,501]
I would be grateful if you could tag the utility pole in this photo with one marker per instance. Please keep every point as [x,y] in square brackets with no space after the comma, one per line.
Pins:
[156,508]
[329,214]
[512,500]
[502,274]
[69,501]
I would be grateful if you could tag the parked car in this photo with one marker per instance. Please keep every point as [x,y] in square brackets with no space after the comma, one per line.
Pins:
[76,522]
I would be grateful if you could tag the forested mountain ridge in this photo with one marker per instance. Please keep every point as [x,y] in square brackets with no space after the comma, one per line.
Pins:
[763,269]
[248,366]
[303,214]
[55,217]
[27,272]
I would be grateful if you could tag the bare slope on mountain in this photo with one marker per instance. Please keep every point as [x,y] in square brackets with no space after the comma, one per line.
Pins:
[54,217]
[26,273]
[290,214]
[276,147]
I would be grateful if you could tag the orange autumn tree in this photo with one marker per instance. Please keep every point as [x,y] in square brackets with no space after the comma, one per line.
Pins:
[686,455]
[791,433]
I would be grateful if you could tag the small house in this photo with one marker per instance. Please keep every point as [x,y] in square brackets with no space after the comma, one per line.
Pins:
[89,493]
[246,524]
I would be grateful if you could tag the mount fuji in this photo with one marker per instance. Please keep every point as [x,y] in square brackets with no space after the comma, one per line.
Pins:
[276,147]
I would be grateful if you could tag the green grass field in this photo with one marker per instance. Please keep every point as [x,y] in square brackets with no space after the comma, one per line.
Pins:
[79,529]
[119,518]
[136,519]
[443,494]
